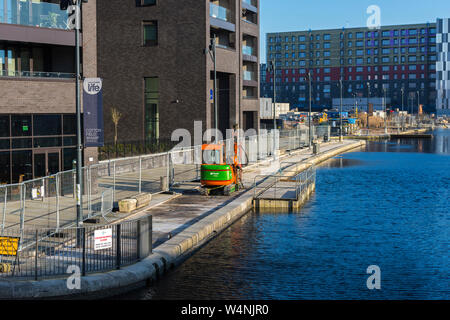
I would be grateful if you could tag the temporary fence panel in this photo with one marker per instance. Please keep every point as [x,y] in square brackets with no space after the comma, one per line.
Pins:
[45,253]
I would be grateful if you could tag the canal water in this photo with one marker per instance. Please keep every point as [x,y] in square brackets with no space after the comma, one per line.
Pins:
[387,205]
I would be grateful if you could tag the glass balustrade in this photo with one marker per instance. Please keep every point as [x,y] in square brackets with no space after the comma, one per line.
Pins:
[249,76]
[247,50]
[250,2]
[219,12]
[36,74]
[36,14]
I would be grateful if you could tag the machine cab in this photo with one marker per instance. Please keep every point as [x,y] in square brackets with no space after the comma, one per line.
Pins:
[213,154]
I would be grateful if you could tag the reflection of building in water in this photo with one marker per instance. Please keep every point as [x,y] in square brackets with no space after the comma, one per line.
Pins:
[442,143]
[420,145]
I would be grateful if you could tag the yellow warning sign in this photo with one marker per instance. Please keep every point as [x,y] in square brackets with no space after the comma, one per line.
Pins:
[9,246]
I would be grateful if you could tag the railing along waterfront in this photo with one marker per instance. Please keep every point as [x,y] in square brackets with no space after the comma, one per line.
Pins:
[286,185]
[47,253]
[50,202]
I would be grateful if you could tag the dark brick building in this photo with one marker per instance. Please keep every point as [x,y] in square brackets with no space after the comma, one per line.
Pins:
[155,71]
[37,87]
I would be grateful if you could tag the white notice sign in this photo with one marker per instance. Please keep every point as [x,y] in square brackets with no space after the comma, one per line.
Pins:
[102,239]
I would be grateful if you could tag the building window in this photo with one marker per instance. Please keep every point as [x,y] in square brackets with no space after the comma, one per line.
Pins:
[150,33]
[148,3]
[151,119]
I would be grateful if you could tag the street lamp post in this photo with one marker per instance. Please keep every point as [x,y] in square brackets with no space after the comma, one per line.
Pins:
[78,115]
[272,69]
[368,104]
[340,114]
[403,105]
[74,22]
[216,115]
[310,110]
[212,52]
[385,112]
[410,109]
[418,106]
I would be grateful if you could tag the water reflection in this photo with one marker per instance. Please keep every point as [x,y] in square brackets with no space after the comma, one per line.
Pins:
[341,162]
[439,144]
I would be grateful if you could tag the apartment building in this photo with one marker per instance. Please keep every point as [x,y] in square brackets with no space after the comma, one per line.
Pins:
[397,61]
[155,71]
[443,67]
[37,87]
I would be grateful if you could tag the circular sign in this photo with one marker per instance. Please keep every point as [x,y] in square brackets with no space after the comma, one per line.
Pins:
[92,86]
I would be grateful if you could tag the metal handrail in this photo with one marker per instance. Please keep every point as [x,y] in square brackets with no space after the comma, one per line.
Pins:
[299,180]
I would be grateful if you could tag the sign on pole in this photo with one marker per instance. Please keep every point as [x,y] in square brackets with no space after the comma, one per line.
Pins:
[93,112]
[102,239]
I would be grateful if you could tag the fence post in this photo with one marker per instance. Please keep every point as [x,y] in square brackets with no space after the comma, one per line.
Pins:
[58,181]
[118,250]
[4,210]
[140,174]
[114,181]
[23,189]
[89,191]
[138,238]
[83,263]
[36,256]
[150,237]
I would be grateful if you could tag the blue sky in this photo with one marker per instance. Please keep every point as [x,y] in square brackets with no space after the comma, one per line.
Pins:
[297,15]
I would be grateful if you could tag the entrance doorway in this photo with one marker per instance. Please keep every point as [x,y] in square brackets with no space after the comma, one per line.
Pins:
[46,162]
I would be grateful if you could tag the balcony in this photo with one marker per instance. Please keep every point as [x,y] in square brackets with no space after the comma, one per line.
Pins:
[250,5]
[220,13]
[249,76]
[36,74]
[221,17]
[35,14]
[247,50]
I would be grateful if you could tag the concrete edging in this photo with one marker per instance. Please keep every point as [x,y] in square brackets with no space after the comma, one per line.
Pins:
[164,257]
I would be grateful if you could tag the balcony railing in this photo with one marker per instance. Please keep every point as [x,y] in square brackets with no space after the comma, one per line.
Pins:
[250,2]
[248,50]
[249,76]
[27,13]
[36,74]
[219,12]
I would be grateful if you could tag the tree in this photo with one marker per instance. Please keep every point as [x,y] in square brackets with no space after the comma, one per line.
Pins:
[116,116]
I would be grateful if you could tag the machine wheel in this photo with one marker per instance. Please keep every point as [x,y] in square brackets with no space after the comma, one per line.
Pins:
[204,191]
[228,190]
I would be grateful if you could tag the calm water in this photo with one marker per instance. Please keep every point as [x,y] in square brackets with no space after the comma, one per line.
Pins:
[387,205]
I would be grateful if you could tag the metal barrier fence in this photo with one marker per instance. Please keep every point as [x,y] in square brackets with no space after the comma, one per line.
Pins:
[50,202]
[41,253]
[287,185]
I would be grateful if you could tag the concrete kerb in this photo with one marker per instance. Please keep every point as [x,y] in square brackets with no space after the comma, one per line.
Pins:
[169,254]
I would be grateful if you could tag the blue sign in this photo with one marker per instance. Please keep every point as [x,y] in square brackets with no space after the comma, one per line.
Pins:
[211,94]
[93,113]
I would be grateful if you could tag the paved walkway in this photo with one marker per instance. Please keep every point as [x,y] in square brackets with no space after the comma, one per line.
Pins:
[174,215]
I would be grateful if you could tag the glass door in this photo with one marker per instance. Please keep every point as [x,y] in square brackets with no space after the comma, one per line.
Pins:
[46,162]
[53,162]
[39,165]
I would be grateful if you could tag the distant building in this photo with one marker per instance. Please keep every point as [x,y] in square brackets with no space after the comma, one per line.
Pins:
[443,68]
[394,57]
